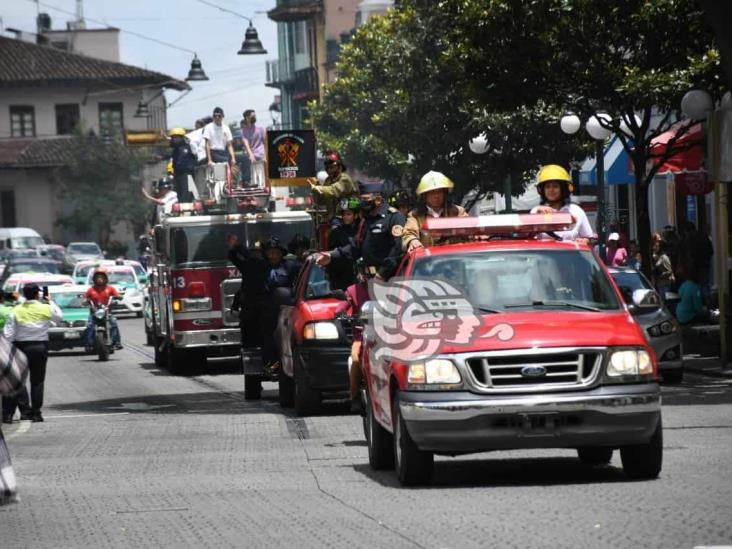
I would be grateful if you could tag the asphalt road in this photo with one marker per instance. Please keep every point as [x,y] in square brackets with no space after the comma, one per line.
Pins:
[131,457]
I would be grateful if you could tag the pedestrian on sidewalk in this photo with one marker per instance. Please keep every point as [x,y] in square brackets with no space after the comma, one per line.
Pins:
[27,327]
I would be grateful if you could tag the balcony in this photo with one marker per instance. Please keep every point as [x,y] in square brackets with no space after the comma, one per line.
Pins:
[295,10]
[279,73]
[306,84]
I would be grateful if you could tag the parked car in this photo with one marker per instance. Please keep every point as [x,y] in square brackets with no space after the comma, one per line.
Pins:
[80,251]
[16,282]
[123,278]
[69,333]
[660,326]
[529,346]
[315,342]
[29,265]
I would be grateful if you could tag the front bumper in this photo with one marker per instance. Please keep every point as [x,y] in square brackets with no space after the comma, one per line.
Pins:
[66,338]
[209,338]
[325,367]
[459,421]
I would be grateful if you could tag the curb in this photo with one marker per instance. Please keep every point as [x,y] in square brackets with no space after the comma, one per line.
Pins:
[711,372]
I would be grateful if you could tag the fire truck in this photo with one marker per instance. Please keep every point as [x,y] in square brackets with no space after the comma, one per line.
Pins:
[192,282]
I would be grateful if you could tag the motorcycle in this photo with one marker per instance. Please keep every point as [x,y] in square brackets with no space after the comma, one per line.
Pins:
[102,325]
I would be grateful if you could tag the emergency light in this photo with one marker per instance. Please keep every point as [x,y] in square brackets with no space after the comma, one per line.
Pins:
[504,224]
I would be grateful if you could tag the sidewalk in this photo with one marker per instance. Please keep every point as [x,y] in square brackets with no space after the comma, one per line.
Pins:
[701,352]
[707,365]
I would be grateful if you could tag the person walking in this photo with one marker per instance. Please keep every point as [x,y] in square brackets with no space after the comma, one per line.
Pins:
[27,327]
[615,254]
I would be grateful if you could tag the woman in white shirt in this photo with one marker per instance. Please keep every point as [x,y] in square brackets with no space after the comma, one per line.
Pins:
[555,188]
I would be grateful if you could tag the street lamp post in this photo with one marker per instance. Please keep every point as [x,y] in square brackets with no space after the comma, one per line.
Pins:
[479,145]
[571,124]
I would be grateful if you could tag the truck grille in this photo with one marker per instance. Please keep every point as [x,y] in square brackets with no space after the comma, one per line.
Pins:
[347,325]
[544,370]
[229,287]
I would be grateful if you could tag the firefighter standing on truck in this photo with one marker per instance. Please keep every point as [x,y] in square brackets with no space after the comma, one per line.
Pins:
[184,163]
[338,185]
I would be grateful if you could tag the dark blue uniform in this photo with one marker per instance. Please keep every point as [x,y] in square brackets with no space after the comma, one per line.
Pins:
[378,241]
[184,163]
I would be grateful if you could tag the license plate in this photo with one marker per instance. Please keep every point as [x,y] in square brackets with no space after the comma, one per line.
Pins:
[72,335]
[540,424]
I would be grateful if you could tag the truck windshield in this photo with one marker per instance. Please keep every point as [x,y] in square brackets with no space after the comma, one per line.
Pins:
[26,241]
[522,280]
[206,245]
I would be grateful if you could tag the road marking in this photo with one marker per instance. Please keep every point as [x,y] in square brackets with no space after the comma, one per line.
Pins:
[24,427]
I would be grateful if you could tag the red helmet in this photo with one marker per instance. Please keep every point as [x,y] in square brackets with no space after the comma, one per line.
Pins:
[332,157]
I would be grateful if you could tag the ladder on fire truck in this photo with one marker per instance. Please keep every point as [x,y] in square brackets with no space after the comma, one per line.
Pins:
[221,189]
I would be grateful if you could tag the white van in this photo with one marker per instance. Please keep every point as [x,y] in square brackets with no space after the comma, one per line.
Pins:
[18,238]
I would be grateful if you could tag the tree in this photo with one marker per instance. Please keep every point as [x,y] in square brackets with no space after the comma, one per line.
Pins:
[101,183]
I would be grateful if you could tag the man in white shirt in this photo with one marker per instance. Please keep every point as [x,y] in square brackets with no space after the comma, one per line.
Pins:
[197,143]
[218,138]
[166,198]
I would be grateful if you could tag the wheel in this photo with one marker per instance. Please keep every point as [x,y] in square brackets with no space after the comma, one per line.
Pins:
[413,466]
[307,399]
[287,391]
[102,348]
[138,314]
[595,455]
[379,440]
[643,461]
[673,376]
[252,387]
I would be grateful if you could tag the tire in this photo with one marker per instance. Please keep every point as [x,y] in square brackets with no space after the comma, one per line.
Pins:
[673,376]
[413,466]
[252,387]
[287,391]
[307,399]
[380,441]
[102,348]
[595,455]
[644,461]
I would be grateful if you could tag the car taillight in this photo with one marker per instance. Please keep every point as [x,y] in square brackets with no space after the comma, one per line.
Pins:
[196,289]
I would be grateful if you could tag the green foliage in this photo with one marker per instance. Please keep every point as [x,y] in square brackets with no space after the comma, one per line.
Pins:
[101,184]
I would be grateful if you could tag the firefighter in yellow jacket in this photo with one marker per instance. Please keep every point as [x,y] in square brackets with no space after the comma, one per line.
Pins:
[337,186]
[433,200]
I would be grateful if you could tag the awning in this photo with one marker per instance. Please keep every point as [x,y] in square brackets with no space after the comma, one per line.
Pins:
[687,166]
[689,159]
[617,166]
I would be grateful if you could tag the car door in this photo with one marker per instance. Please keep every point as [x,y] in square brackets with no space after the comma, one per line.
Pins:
[287,320]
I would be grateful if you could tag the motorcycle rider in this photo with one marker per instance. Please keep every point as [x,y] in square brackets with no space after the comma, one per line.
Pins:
[99,294]
[433,194]
[555,188]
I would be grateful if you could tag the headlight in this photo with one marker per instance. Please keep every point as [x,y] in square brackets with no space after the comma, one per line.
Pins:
[630,363]
[666,327]
[320,330]
[100,314]
[439,371]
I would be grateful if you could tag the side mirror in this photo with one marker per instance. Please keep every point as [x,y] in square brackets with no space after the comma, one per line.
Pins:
[367,311]
[646,300]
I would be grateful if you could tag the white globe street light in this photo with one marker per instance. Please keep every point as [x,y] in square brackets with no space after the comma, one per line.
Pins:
[322,176]
[696,104]
[625,125]
[596,129]
[479,144]
[570,124]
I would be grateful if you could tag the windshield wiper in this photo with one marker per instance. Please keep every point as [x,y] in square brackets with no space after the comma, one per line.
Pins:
[553,304]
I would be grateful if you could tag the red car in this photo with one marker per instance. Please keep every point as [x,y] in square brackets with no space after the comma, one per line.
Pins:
[315,342]
[528,345]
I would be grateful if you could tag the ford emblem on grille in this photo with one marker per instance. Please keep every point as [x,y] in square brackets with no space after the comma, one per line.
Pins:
[533,371]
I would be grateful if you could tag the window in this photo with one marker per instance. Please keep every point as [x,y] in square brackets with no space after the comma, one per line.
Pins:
[110,119]
[7,209]
[67,117]
[22,121]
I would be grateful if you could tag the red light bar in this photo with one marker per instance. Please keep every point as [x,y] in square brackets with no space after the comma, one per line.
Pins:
[522,224]
[299,201]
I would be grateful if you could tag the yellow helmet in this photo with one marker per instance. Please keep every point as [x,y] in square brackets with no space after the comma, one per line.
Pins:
[434,180]
[554,172]
[180,132]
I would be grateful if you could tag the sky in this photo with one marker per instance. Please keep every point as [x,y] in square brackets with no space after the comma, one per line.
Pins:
[236,81]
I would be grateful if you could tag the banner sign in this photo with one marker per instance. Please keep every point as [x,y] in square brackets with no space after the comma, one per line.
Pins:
[290,156]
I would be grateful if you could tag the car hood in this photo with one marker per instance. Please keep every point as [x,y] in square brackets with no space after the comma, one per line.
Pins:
[71,315]
[536,329]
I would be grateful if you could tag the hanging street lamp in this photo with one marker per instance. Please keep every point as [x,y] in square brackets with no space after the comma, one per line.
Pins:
[196,73]
[251,45]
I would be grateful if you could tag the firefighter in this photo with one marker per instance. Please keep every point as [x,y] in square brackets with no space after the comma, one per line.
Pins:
[400,200]
[433,200]
[264,270]
[378,238]
[555,188]
[342,232]
[338,185]
[183,162]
